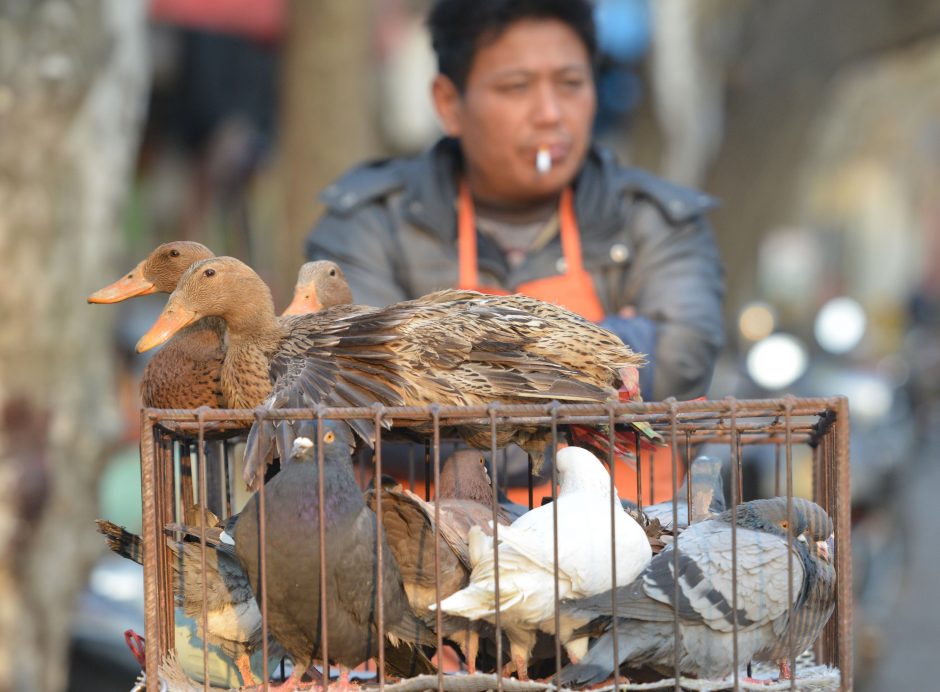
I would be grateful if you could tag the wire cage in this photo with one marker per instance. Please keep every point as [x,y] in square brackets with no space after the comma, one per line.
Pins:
[816,429]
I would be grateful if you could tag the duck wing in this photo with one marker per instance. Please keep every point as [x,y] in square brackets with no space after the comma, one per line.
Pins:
[458,347]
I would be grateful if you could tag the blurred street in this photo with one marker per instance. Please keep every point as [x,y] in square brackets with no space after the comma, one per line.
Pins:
[910,636]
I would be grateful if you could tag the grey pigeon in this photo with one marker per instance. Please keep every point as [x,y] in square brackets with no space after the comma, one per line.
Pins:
[293,564]
[233,618]
[765,539]
[464,500]
[708,497]
[816,608]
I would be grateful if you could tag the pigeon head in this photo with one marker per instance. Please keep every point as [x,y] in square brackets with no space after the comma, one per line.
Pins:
[770,515]
[335,437]
[819,530]
[464,477]
[578,469]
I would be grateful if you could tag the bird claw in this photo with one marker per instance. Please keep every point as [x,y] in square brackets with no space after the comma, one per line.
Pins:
[344,684]
[243,663]
[757,681]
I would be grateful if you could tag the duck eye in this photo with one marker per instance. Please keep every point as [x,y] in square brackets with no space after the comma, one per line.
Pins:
[330,437]
[174,253]
[209,272]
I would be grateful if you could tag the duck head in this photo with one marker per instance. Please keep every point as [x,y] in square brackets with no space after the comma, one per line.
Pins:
[217,287]
[320,284]
[159,272]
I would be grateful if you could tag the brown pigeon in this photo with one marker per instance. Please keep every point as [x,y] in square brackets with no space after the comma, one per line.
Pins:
[464,500]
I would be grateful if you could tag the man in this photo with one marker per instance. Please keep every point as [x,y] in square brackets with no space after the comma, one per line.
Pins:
[517,199]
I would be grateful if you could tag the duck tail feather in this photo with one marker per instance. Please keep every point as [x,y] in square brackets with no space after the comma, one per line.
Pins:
[259,451]
[121,541]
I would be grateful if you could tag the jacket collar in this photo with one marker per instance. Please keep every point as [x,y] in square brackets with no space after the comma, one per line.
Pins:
[431,189]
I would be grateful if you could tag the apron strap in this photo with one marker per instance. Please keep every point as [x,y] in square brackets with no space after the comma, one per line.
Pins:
[570,236]
[467,277]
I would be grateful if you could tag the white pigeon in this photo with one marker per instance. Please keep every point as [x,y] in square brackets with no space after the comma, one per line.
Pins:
[526,559]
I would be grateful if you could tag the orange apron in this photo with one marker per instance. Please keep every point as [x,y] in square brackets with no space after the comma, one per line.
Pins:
[573,290]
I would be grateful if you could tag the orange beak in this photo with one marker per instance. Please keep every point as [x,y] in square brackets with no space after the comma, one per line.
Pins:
[134,284]
[171,320]
[303,304]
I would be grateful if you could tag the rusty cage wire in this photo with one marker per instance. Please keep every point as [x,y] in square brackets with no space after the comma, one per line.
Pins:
[819,425]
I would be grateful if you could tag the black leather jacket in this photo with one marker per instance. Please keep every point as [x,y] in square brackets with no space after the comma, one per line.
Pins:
[392,226]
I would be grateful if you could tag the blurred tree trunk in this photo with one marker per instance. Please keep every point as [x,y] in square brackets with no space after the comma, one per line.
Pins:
[327,118]
[72,80]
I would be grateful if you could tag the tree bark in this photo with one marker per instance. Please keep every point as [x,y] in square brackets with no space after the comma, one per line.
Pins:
[327,114]
[72,85]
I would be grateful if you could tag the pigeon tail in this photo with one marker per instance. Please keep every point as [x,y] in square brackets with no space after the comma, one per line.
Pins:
[477,602]
[411,630]
[596,666]
[402,660]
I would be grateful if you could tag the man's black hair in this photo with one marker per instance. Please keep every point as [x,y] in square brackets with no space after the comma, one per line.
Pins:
[460,27]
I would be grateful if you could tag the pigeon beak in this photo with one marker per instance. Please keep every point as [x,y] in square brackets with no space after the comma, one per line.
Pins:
[823,548]
[303,304]
[134,284]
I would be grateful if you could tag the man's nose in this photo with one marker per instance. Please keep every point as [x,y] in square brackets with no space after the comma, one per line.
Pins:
[547,105]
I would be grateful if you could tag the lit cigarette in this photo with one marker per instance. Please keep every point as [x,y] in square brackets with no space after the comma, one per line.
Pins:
[543,161]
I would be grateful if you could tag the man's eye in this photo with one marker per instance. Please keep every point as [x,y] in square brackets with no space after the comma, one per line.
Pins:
[515,88]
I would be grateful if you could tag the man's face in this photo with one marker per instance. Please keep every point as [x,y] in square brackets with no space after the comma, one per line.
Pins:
[531,88]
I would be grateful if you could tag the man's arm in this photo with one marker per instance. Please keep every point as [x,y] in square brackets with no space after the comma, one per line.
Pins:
[676,286]
[363,243]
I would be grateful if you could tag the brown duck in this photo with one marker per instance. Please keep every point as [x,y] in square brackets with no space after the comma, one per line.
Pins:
[320,284]
[185,373]
[459,347]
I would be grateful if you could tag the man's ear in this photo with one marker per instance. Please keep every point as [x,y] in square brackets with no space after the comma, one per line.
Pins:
[447,103]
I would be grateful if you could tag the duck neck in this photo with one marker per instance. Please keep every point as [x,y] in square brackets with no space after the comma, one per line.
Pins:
[250,347]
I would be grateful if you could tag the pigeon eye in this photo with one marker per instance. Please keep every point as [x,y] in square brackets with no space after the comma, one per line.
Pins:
[784,524]
[209,272]
[330,437]
[332,272]
[174,253]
